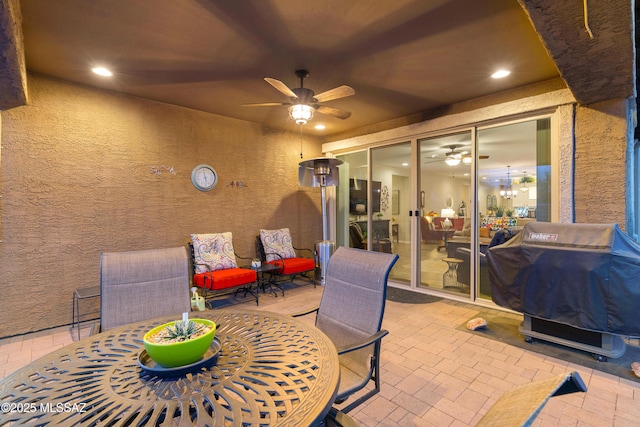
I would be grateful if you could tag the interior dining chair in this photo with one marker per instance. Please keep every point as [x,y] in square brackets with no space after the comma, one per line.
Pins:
[139,285]
[350,314]
[356,238]
[521,405]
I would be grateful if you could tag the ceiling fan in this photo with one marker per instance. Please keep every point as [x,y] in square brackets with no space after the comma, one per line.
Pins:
[304,102]
[449,156]
[454,157]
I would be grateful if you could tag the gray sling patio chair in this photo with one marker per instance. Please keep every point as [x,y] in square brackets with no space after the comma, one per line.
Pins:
[139,285]
[350,313]
[521,405]
[337,418]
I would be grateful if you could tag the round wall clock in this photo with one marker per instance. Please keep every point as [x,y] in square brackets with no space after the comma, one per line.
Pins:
[204,177]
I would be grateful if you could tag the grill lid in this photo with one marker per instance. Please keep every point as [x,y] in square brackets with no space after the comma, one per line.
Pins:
[583,275]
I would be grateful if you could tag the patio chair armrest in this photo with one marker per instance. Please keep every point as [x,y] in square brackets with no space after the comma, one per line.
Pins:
[361,344]
[242,257]
[304,313]
[204,265]
[305,250]
[275,254]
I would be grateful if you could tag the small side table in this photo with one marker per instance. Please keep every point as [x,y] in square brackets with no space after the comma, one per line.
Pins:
[263,282]
[450,277]
[79,294]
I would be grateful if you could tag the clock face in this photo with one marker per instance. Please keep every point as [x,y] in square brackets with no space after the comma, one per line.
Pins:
[204,177]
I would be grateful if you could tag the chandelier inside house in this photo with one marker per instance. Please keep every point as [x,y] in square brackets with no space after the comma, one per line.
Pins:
[524,181]
[507,191]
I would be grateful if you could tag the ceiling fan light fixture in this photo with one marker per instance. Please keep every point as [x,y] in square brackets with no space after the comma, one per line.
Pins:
[101,71]
[301,113]
[452,161]
[500,74]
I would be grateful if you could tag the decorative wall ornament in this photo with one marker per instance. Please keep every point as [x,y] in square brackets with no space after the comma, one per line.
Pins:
[384,199]
[160,169]
[236,184]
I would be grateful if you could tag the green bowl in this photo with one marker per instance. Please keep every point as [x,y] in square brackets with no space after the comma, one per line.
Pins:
[182,353]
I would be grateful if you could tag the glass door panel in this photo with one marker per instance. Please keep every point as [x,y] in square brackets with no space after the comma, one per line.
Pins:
[390,206]
[445,183]
[352,200]
[513,184]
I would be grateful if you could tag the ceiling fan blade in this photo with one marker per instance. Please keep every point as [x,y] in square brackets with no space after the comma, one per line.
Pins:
[338,92]
[334,112]
[281,87]
[266,104]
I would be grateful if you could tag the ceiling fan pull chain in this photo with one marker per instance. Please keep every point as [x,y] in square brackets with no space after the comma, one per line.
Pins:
[301,141]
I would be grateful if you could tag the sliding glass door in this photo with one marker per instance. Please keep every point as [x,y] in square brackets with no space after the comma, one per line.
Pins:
[440,202]
[445,217]
[390,220]
[513,185]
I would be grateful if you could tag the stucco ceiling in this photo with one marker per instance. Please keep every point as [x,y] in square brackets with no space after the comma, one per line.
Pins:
[402,57]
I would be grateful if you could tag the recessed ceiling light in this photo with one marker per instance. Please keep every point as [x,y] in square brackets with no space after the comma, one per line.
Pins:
[405,164]
[500,74]
[101,71]
[320,127]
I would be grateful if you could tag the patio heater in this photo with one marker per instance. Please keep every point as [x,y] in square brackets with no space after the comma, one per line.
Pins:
[321,172]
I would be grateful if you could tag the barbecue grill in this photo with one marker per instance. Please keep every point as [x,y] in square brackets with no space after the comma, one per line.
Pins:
[576,284]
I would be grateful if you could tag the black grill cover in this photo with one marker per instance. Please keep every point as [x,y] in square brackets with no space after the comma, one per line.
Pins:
[583,275]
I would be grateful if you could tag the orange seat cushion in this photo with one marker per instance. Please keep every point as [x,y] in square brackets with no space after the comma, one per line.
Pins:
[223,279]
[294,265]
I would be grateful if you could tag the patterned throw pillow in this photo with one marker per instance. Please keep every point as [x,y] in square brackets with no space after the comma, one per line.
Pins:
[429,221]
[214,250]
[277,242]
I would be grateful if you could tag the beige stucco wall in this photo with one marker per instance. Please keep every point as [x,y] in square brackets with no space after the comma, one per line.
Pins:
[85,171]
[601,133]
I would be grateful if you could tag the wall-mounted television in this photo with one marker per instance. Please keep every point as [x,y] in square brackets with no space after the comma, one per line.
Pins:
[358,196]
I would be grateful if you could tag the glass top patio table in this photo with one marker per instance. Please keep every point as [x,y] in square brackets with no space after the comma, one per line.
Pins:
[272,370]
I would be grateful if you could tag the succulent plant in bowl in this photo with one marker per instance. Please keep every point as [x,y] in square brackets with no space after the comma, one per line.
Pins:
[179,343]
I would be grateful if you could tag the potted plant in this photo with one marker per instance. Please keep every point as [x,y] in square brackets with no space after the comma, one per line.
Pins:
[527,180]
[179,343]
